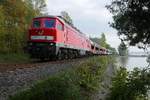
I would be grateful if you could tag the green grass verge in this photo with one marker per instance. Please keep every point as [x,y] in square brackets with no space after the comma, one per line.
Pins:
[77,84]
[14,58]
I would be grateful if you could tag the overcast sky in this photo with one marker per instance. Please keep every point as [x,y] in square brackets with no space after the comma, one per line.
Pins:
[90,16]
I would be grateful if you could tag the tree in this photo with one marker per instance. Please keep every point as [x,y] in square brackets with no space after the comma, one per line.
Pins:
[2,29]
[96,40]
[38,6]
[132,20]
[67,18]
[13,25]
[15,17]
[122,48]
[103,40]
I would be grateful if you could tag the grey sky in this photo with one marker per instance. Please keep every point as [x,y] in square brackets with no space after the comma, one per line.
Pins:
[90,16]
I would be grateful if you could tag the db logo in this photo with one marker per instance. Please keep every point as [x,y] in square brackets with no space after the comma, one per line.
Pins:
[40,32]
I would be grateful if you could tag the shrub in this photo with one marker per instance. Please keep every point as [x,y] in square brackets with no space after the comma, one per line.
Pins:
[89,75]
[132,85]
[76,84]
[59,87]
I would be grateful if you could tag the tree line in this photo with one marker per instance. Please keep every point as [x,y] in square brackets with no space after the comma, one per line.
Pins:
[15,18]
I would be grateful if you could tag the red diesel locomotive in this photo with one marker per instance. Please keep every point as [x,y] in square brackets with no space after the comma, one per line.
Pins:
[52,36]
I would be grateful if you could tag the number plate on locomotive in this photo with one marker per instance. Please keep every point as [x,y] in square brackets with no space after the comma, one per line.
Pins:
[42,37]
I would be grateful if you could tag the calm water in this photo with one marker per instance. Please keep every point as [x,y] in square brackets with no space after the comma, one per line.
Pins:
[132,62]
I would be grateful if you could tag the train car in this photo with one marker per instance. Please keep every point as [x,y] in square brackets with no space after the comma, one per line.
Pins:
[103,51]
[96,49]
[52,37]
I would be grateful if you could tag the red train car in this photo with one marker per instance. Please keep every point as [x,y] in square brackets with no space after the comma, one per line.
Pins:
[51,36]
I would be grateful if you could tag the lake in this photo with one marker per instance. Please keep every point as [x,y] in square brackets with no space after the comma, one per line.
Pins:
[132,62]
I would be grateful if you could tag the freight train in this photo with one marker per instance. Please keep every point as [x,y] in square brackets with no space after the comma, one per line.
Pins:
[52,37]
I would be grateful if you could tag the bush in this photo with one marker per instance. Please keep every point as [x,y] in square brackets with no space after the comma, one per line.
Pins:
[76,84]
[89,74]
[59,87]
[132,85]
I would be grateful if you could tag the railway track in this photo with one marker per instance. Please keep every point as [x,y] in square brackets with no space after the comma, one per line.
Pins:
[5,67]
[14,77]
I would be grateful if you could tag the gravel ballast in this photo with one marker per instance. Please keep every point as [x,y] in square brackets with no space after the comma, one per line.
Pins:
[18,79]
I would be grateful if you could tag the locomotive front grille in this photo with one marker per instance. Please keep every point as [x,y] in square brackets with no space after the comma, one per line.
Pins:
[39,50]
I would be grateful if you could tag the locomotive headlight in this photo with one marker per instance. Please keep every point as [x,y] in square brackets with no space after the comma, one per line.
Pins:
[51,44]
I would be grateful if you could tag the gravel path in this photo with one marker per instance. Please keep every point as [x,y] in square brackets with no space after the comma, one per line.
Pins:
[12,81]
[106,83]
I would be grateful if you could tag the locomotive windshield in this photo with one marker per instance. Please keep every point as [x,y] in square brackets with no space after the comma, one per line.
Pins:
[49,23]
[36,24]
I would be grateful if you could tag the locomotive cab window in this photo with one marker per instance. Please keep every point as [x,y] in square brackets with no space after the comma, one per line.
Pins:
[50,23]
[36,24]
[60,26]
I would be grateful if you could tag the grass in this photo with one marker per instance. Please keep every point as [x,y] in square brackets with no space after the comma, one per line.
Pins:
[14,58]
[77,84]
